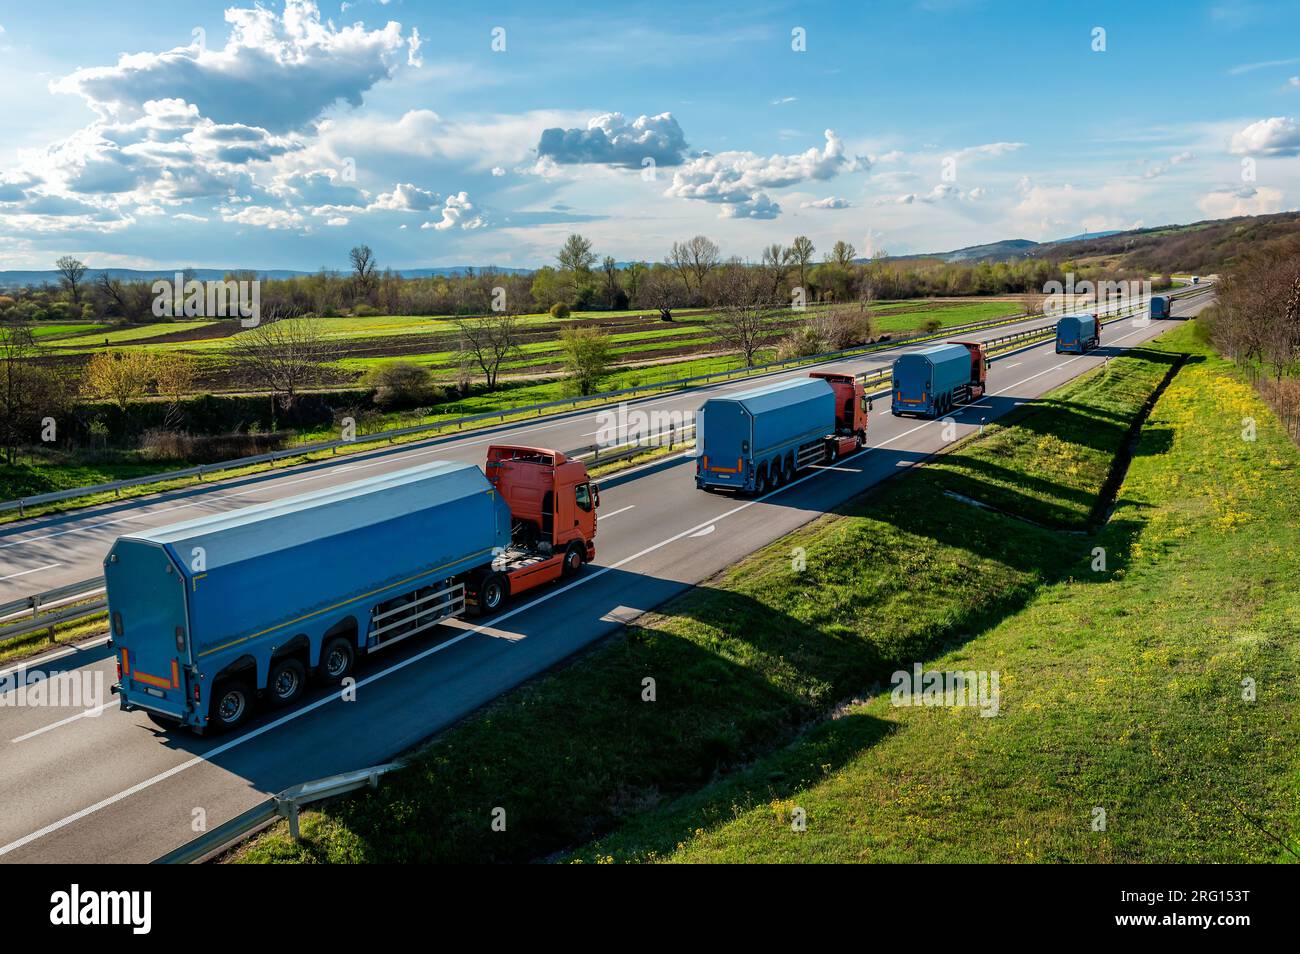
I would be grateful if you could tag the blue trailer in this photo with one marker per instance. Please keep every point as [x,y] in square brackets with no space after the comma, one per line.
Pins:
[208,614]
[1077,334]
[1160,307]
[759,439]
[934,380]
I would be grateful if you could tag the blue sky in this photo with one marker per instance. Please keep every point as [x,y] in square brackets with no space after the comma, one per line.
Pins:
[277,136]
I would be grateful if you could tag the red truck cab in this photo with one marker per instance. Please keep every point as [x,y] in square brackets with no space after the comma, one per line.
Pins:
[851,412]
[552,505]
[979,368]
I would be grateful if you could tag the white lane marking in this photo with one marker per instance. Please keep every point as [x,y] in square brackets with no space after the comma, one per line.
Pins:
[705,532]
[14,576]
[606,516]
[54,725]
[842,470]
[1014,364]
[409,661]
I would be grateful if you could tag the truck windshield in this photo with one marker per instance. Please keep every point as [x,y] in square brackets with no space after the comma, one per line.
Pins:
[583,492]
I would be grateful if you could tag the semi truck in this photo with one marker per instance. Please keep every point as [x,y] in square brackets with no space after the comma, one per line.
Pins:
[760,439]
[1077,334]
[1160,307]
[211,616]
[932,381]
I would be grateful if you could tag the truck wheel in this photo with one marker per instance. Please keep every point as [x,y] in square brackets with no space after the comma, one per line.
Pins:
[336,661]
[573,560]
[491,594]
[286,682]
[232,704]
[859,440]
[832,452]
[760,483]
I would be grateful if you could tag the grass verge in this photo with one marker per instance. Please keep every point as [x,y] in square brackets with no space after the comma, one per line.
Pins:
[1148,712]
[742,664]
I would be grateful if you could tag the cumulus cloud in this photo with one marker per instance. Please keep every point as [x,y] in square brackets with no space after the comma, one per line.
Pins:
[830,202]
[1278,136]
[738,179]
[1246,200]
[610,139]
[990,150]
[406,197]
[458,212]
[277,73]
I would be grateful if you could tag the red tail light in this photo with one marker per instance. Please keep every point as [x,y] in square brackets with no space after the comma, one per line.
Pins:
[196,692]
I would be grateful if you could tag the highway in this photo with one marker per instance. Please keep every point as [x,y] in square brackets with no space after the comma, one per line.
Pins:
[99,785]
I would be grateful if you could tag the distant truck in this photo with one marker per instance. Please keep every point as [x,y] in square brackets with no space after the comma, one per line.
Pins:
[760,439]
[209,614]
[933,381]
[1077,334]
[1196,279]
[1160,307]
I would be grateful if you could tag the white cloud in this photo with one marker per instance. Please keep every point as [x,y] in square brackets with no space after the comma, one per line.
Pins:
[263,216]
[1049,209]
[830,202]
[337,221]
[1247,200]
[413,56]
[944,191]
[738,179]
[990,149]
[1278,136]
[458,211]
[1160,168]
[406,197]
[498,172]
[609,139]
[277,73]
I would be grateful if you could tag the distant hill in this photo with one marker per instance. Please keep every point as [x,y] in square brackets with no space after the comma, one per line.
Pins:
[1199,246]
[16,278]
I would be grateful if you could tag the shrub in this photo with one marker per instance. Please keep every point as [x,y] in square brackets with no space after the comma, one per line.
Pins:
[801,343]
[560,310]
[402,384]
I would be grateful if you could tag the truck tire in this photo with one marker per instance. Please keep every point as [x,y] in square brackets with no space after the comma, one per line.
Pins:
[285,683]
[336,661]
[760,483]
[232,704]
[573,560]
[492,593]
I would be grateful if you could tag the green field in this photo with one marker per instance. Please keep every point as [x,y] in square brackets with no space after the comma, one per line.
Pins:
[749,667]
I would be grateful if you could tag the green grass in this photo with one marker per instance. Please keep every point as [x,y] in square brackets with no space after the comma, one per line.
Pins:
[1121,691]
[742,664]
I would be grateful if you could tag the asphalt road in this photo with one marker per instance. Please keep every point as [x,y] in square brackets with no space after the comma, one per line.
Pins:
[98,785]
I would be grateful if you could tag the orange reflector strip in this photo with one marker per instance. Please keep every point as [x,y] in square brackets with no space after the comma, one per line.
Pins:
[176,676]
[126,666]
[152,680]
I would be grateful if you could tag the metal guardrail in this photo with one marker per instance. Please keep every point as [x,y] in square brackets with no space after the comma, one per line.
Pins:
[117,486]
[40,611]
[286,804]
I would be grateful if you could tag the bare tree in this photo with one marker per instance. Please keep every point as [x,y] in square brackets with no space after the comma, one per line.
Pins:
[488,342]
[776,266]
[842,254]
[284,354]
[744,320]
[694,259]
[364,269]
[801,253]
[659,291]
[71,271]
[114,294]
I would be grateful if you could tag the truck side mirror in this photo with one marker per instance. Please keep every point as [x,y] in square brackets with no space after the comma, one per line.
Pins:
[595,496]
